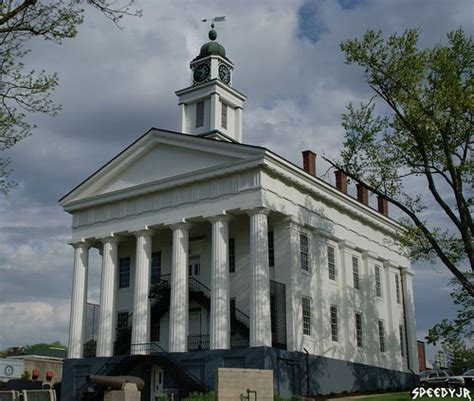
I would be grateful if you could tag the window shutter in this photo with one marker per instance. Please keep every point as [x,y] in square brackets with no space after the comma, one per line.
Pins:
[224,115]
[199,114]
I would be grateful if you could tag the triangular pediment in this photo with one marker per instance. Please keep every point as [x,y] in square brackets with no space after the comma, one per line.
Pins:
[159,156]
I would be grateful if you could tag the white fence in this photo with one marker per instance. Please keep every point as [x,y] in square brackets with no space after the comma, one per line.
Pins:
[11,395]
[28,395]
[39,395]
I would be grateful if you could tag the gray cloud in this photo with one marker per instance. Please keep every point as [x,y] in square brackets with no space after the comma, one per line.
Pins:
[115,85]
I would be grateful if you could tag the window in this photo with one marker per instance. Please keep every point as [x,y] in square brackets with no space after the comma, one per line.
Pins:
[334,323]
[304,252]
[199,114]
[224,115]
[355,272]
[306,308]
[358,321]
[231,255]
[194,266]
[331,263]
[381,336]
[397,287]
[155,266]
[124,272]
[271,249]
[155,331]
[122,320]
[378,282]
[402,341]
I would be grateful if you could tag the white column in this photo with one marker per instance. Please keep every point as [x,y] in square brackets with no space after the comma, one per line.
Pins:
[409,309]
[214,112]
[260,319]
[220,308]
[140,334]
[78,300]
[238,124]
[182,122]
[179,289]
[108,285]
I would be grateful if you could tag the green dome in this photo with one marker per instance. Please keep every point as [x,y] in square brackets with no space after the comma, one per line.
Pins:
[211,48]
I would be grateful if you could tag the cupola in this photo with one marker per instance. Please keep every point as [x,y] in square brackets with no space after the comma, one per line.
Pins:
[210,106]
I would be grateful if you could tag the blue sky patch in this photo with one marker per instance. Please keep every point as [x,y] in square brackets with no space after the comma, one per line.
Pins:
[350,4]
[310,24]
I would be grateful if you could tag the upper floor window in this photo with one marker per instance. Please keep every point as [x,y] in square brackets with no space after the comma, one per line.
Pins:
[355,272]
[331,263]
[155,266]
[224,115]
[271,249]
[199,114]
[124,272]
[378,282]
[402,340]
[304,252]
[397,287]
[334,324]
[359,333]
[231,255]
[381,336]
[306,311]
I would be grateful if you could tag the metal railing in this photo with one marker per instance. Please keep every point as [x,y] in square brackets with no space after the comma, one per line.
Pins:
[156,349]
[198,342]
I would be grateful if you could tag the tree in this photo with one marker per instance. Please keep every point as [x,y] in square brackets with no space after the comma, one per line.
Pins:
[456,336]
[420,139]
[23,91]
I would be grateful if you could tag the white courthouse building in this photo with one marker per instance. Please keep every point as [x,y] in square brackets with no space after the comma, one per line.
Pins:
[216,253]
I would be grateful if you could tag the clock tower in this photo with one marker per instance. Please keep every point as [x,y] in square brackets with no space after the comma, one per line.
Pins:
[210,106]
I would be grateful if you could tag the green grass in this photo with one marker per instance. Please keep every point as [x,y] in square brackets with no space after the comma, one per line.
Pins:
[407,397]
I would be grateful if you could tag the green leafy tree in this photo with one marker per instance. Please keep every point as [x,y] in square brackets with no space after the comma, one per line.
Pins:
[24,91]
[415,149]
[456,336]
[26,375]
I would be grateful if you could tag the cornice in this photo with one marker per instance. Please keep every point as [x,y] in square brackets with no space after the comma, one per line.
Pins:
[329,194]
[163,184]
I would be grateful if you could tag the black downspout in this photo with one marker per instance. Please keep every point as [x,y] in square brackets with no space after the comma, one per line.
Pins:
[406,330]
[307,371]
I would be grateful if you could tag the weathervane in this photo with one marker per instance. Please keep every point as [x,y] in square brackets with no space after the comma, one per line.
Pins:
[213,20]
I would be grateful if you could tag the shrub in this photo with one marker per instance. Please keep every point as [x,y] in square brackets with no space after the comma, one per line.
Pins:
[200,397]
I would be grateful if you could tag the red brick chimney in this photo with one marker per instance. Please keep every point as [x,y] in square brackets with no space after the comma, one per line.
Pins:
[382,205]
[309,162]
[363,194]
[341,181]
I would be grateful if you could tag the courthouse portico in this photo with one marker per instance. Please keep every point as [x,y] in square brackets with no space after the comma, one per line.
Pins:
[260,333]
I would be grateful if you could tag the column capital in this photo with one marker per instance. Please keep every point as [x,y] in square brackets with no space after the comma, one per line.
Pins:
[81,244]
[110,239]
[257,210]
[183,225]
[219,217]
[143,232]
[406,271]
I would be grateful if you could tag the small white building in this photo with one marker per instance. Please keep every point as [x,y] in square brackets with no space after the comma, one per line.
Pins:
[208,243]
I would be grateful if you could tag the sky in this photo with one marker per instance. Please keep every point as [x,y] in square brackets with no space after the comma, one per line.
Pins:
[116,84]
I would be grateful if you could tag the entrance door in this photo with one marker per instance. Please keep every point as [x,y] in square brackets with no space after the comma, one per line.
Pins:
[156,382]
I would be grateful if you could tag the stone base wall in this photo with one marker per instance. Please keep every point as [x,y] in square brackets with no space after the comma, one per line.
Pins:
[293,372]
[232,384]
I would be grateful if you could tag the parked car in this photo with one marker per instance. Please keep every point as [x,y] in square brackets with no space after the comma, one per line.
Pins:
[466,379]
[440,378]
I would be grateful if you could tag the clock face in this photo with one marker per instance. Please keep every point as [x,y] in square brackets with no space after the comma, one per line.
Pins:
[201,72]
[224,74]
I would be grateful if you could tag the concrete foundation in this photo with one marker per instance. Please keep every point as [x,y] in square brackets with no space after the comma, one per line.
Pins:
[293,372]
